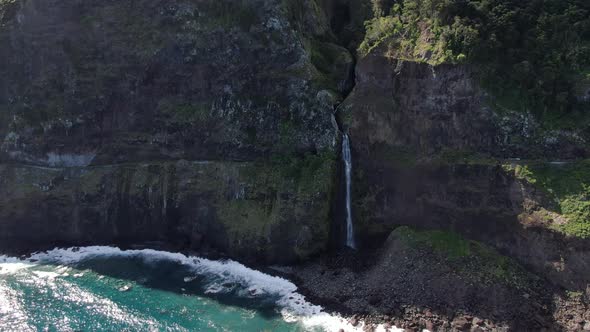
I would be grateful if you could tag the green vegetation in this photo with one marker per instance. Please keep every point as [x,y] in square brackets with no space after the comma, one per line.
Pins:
[451,244]
[469,257]
[183,112]
[325,56]
[312,172]
[298,10]
[569,185]
[531,53]
[331,63]
[412,38]
[229,14]
[574,295]
[269,188]
[247,219]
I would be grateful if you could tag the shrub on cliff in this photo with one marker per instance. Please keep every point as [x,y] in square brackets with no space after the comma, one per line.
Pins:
[532,53]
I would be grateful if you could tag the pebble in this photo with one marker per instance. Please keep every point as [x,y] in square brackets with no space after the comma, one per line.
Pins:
[429,326]
[477,321]
[461,324]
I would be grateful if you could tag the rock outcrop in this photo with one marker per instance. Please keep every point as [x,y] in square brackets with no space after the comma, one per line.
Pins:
[438,281]
[429,151]
[210,124]
[255,211]
[95,82]
[125,109]
[432,110]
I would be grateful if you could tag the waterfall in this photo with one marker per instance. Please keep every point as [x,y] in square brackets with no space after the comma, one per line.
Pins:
[348,170]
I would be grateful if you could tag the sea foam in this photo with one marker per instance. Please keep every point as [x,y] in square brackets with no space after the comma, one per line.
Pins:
[10,265]
[293,305]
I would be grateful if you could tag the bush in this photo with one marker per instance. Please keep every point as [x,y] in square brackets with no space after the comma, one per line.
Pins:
[535,49]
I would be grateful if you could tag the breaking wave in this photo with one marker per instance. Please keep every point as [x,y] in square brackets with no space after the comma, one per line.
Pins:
[216,277]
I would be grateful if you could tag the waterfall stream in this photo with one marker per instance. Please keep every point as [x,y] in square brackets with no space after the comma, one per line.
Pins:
[346,157]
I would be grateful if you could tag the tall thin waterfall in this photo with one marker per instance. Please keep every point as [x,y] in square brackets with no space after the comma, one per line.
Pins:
[348,170]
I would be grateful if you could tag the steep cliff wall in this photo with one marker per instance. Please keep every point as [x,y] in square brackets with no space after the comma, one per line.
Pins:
[430,152]
[101,82]
[209,124]
[431,111]
[196,123]
[252,210]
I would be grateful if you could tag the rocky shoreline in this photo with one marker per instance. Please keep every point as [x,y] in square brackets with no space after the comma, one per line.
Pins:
[421,288]
[215,128]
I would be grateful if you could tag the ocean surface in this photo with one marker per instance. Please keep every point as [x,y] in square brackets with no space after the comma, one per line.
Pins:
[108,289]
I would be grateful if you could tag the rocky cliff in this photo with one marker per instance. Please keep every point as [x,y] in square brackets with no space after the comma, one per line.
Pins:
[216,125]
[430,152]
[114,113]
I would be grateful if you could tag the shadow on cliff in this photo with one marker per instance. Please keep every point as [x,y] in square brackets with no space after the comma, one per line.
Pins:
[416,285]
[481,203]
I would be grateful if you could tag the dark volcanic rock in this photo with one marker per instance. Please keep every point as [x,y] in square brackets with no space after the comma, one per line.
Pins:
[113,95]
[102,82]
[481,202]
[429,110]
[225,206]
[421,286]
[209,126]
[428,152]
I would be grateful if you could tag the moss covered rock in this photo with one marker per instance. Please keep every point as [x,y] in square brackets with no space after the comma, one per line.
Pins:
[148,79]
[266,212]
[567,184]
[201,124]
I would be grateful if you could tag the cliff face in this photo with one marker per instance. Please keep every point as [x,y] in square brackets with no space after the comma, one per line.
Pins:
[433,111]
[205,122]
[103,82]
[430,152]
[209,124]
[249,210]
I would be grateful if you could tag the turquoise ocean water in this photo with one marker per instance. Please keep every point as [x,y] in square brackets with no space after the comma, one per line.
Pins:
[107,289]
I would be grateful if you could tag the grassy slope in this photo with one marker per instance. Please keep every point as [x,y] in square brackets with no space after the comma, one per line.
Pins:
[569,186]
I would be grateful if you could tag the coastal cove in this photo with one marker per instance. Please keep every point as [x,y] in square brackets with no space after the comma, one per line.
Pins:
[295,165]
[106,288]
[140,289]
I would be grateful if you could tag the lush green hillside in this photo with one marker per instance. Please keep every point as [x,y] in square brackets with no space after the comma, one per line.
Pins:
[534,54]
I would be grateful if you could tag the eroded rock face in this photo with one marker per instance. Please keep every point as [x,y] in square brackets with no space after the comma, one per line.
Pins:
[417,107]
[210,124]
[431,110]
[481,202]
[255,211]
[114,96]
[411,284]
[422,138]
[141,80]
